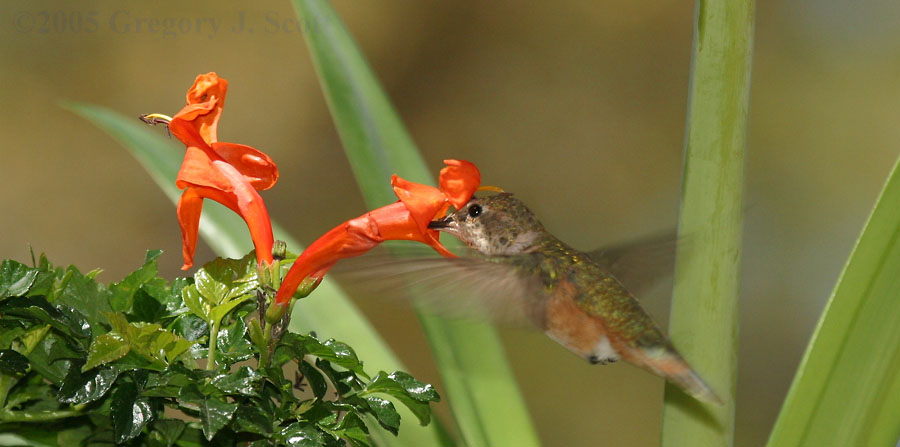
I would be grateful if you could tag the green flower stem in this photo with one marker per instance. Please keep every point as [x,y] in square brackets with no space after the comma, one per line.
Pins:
[705,302]
[213,340]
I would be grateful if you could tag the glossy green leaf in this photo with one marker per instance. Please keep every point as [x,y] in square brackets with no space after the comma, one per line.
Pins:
[106,348]
[704,311]
[243,381]
[847,389]
[302,435]
[15,278]
[130,412]
[385,413]
[480,384]
[214,414]
[82,292]
[83,387]
[414,394]
[253,419]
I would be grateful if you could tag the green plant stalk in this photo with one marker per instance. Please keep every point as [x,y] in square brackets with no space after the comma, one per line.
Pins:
[486,403]
[703,322]
[36,416]
[213,340]
[847,388]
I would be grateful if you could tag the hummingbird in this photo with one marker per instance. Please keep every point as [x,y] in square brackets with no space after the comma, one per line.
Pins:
[570,295]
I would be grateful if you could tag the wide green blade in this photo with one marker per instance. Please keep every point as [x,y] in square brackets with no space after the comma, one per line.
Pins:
[847,389]
[703,324]
[484,397]
[227,234]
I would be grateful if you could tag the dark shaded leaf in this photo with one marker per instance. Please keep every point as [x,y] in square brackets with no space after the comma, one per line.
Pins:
[166,432]
[15,278]
[81,388]
[145,307]
[315,378]
[253,419]
[11,362]
[130,413]
[70,322]
[243,381]
[52,357]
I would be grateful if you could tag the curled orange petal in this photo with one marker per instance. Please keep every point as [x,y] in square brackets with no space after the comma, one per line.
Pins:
[458,181]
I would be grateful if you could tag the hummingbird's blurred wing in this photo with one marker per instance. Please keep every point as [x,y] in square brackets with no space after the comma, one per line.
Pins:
[464,287]
[642,263]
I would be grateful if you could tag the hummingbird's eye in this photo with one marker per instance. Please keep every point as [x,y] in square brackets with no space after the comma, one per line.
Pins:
[474,210]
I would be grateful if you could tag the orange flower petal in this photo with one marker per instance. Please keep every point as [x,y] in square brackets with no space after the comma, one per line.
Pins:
[424,202]
[205,100]
[253,164]
[189,207]
[458,181]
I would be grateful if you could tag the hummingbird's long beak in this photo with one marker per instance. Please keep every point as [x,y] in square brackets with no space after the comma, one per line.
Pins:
[447,225]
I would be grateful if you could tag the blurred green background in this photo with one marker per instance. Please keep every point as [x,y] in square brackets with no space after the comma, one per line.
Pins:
[577,107]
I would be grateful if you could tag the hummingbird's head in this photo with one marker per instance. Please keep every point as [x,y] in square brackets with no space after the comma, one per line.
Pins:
[495,225]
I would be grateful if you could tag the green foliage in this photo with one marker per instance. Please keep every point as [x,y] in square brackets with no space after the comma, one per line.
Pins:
[704,312]
[847,388]
[96,364]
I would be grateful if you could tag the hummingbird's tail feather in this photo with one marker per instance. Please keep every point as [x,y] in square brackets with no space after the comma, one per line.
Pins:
[670,365]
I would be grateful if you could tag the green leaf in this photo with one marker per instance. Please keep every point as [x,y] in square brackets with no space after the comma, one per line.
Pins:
[704,310]
[414,394]
[479,382]
[106,348]
[11,362]
[167,431]
[52,357]
[130,412]
[232,346]
[252,419]
[847,388]
[333,351]
[15,278]
[385,413]
[243,381]
[122,293]
[315,379]
[302,435]
[83,387]
[214,414]
[82,292]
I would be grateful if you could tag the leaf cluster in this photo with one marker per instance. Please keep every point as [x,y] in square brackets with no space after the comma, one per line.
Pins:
[149,362]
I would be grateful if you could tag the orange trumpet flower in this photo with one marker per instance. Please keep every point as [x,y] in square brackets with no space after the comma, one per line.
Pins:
[406,219]
[228,173]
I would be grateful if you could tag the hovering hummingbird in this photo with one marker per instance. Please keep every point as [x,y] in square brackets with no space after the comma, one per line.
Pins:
[572,296]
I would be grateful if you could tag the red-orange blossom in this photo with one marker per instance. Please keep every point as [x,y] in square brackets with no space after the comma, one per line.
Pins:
[406,219]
